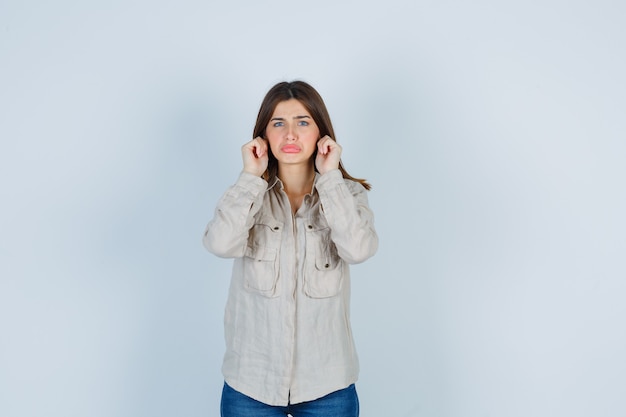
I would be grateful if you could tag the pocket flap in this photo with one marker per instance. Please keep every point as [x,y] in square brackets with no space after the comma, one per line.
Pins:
[261,253]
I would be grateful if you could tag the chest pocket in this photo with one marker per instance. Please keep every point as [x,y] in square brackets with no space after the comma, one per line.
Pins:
[324,272]
[261,258]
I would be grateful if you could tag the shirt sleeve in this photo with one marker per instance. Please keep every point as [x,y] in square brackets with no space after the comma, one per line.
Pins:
[226,235]
[346,209]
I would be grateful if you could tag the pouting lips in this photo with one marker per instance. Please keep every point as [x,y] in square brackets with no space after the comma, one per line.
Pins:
[290,149]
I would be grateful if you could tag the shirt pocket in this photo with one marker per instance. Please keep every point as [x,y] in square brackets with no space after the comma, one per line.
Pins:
[261,258]
[324,272]
[260,269]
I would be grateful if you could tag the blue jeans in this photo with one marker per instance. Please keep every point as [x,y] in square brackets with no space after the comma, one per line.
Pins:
[342,403]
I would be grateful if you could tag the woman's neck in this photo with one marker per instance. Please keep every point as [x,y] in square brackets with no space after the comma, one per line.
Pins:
[297,179]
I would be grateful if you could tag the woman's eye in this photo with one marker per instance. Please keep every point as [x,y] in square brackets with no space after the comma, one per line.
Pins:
[303,123]
[278,124]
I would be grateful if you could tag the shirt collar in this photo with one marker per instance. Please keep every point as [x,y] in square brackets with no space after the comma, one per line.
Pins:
[276,182]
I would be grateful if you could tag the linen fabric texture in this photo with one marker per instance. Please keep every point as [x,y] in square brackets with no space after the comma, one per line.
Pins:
[287,317]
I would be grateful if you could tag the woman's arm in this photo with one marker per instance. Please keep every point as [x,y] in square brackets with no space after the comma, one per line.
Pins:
[345,207]
[226,235]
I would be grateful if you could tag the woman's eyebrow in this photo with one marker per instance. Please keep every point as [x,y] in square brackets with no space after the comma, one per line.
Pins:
[295,117]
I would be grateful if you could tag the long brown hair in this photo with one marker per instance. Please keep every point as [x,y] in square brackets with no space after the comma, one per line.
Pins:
[313,103]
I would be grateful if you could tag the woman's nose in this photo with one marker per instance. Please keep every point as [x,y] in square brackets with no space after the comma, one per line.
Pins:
[291,133]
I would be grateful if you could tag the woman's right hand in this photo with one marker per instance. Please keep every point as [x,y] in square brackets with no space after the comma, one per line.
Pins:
[255,157]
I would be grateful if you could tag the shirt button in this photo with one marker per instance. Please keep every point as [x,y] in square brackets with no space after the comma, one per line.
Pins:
[276,227]
[326,266]
[310,227]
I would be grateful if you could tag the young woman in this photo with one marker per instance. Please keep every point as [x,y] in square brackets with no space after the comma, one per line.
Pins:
[293,221]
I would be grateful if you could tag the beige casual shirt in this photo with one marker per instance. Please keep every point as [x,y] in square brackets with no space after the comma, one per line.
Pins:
[287,318]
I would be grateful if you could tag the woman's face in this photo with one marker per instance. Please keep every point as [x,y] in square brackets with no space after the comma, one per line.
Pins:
[292,133]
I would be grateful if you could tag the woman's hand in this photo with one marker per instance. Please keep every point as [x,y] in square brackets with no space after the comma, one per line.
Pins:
[254,154]
[328,155]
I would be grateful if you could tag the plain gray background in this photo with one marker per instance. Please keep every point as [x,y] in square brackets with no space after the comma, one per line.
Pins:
[494,134]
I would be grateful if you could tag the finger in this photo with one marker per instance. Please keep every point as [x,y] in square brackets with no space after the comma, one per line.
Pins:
[250,148]
[259,147]
[321,145]
[325,145]
[255,148]
[262,144]
[263,148]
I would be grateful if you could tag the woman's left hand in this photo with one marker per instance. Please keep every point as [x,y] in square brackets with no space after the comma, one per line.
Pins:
[328,155]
